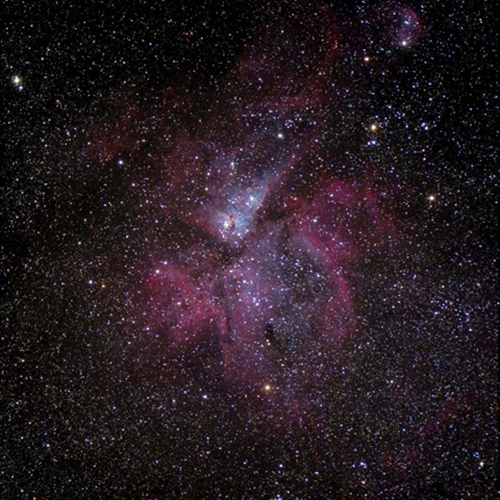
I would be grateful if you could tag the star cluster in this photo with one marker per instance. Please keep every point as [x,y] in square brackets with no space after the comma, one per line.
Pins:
[249,251]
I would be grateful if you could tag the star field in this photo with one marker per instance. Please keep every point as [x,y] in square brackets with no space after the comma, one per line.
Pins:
[248,250]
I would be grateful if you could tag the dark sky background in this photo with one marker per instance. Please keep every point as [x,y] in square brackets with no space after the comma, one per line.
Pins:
[248,250]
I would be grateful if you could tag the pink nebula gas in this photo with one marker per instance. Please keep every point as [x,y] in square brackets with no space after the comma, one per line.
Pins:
[264,238]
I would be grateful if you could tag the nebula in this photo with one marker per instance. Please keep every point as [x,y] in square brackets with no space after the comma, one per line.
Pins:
[264,239]
[248,251]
